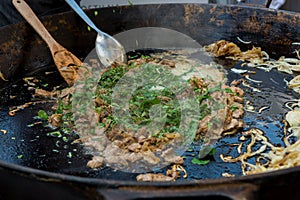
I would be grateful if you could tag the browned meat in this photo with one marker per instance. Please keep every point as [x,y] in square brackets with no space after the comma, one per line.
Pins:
[154,177]
[96,162]
[223,48]
[55,120]
[150,157]
[169,156]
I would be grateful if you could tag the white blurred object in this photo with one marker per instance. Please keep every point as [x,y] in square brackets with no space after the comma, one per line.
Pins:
[108,3]
[276,4]
[291,5]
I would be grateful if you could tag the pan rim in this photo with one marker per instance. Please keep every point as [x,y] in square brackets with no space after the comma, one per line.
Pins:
[105,182]
[59,177]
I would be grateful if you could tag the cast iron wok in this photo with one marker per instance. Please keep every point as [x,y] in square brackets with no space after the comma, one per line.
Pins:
[27,156]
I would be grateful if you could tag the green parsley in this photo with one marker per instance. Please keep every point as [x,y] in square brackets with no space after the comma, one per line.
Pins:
[42,115]
[196,161]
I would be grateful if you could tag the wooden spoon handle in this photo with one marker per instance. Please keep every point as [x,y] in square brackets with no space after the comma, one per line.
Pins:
[33,20]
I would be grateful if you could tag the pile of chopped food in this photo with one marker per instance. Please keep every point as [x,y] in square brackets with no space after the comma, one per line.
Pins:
[232,51]
[134,148]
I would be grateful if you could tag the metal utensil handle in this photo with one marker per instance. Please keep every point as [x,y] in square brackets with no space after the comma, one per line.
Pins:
[82,14]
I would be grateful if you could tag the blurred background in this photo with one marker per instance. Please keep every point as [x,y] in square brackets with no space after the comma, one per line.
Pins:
[291,5]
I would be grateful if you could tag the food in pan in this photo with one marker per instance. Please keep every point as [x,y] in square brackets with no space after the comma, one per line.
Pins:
[252,144]
[133,147]
[268,156]
[151,148]
[2,76]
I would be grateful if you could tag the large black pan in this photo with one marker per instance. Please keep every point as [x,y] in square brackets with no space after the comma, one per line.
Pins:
[38,166]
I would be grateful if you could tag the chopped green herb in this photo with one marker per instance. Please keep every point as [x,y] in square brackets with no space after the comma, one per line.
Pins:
[228,90]
[213,151]
[101,124]
[70,155]
[30,125]
[196,161]
[133,57]
[206,150]
[20,156]
[57,143]
[42,115]
[55,134]
[89,28]
[233,108]
[145,57]
[65,139]
[208,125]
[96,13]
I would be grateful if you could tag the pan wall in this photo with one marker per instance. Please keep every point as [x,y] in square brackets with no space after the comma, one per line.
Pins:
[22,50]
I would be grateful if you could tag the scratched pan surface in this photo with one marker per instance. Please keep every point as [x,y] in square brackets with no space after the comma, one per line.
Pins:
[23,53]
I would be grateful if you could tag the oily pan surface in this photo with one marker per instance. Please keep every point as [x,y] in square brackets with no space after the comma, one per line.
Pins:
[32,147]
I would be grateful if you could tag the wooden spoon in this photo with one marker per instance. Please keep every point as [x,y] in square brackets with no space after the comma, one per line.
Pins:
[66,63]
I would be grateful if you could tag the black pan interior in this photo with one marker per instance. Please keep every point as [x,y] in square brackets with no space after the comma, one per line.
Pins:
[30,146]
[23,52]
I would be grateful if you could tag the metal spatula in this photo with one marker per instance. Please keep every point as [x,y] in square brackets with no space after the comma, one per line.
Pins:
[108,48]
